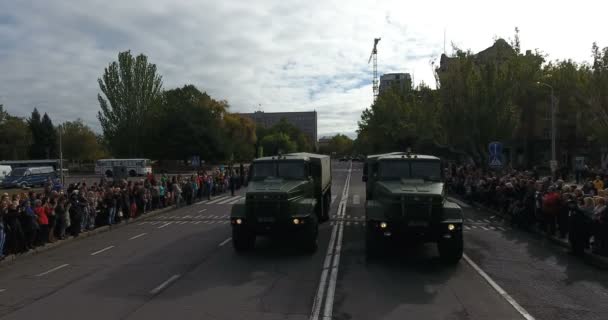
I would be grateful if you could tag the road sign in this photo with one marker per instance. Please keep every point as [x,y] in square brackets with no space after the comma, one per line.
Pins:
[495,157]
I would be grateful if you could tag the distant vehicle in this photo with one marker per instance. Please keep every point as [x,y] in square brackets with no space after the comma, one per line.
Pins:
[132,167]
[288,194]
[55,163]
[406,201]
[28,177]
[4,171]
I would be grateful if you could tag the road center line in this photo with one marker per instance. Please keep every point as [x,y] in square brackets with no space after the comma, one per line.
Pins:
[137,236]
[102,250]
[52,270]
[2,290]
[498,289]
[333,255]
[225,241]
[165,284]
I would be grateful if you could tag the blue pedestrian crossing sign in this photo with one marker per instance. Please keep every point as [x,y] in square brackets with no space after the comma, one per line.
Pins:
[495,157]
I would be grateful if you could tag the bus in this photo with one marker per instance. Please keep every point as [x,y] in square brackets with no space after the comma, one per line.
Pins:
[134,167]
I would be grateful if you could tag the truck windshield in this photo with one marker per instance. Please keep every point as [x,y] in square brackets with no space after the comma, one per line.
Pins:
[399,169]
[287,170]
[18,172]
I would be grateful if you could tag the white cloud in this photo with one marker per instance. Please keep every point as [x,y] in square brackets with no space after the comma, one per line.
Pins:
[285,55]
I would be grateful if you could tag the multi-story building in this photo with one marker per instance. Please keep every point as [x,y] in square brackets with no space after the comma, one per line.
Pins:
[402,81]
[305,121]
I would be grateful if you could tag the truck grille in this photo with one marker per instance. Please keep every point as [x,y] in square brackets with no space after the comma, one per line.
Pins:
[266,209]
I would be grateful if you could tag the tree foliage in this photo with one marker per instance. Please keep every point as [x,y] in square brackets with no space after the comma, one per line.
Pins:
[241,137]
[79,142]
[339,145]
[130,87]
[44,137]
[301,141]
[15,137]
[278,142]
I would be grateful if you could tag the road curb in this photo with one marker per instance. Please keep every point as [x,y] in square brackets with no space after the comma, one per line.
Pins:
[592,258]
[13,257]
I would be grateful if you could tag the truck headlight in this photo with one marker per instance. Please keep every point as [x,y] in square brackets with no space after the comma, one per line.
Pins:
[296,221]
[237,221]
[383,225]
[451,227]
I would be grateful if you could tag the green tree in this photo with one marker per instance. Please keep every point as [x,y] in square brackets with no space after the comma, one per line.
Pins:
[302,141]
[340,145]
[15,137]
[79,142]
[130,87]
[279,142]
[186,123]
[241,136]
[49,137]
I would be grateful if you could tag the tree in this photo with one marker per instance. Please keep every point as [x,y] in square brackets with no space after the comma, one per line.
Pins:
[302,141]
[276,143]
[339,144]
[79,142]
[49,137]
[187,122]
[131,87]
[15,137]
[241,136]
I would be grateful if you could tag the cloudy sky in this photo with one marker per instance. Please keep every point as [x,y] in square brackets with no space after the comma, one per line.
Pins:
[284,55]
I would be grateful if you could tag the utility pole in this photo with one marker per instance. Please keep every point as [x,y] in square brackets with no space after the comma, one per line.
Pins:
[61,155]
[553,129]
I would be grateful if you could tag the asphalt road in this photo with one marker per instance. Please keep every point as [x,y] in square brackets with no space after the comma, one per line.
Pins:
[181,265]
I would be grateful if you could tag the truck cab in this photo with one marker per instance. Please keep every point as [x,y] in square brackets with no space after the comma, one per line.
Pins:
[287,195]
[407,202]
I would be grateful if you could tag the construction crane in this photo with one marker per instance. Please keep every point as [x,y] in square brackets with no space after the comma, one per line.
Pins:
[374,55]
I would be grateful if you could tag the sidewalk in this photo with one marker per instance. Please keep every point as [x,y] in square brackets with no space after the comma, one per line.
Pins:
[595,259]
[12,257]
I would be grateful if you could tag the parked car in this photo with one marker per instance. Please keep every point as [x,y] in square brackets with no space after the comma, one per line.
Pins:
[28,177]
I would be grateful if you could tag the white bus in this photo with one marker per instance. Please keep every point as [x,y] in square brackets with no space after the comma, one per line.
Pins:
[134,167]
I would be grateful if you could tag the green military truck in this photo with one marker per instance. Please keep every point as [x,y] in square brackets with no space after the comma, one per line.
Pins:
[407,201]
[287,194]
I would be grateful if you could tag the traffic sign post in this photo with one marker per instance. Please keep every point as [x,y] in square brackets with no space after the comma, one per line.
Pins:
[495,155]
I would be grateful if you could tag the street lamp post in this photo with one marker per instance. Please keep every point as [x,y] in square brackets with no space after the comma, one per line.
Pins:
[553,131]
[61,156]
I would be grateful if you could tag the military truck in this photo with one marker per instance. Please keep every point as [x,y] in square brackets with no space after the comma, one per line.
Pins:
[407,201]
[287,195]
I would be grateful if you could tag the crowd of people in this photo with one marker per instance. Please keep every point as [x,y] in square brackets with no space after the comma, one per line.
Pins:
[32,219]
[576,212]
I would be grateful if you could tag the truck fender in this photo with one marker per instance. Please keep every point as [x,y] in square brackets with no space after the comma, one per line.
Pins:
[374,211]
[238,210]
[304,207]
[452,212]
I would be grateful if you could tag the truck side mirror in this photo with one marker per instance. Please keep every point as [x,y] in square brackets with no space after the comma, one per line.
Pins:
[364,178]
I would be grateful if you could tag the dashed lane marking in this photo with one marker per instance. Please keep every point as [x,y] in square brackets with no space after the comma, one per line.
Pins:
[229,199]
[165,284]
[217,200]
[333,198]
[102,250]
[138,236]
[166,224]
[498,289]
[224,242]
[52,270]
[2,290]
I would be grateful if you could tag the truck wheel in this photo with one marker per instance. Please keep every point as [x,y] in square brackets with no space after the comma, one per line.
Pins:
[373,245]
[450,250]
[132,173]
[325,208]
[242,239]
[109,173]
[309,235]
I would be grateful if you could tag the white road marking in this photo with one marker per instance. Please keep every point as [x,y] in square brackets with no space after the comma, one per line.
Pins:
[155,222]
[201,202]
[229,199]
[52,270]
[356,199]
[498,289]
[2,290]
[197,222]
[212,222]
[237,200]
[216,200]
[102,250]
[486,220]
[225,241]
[164,284]
[142,223]
[333,251]
[492,217]
[225,222]
[166,224]
[333,198]
[347,223]
[484,228]
[137,236]
[467,228]
[183,222]
[501,228]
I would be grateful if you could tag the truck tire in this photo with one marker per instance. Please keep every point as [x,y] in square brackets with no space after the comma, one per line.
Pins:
[132,173]
[450,250]
[326,199]
[109,174]
[309,235]
[242,239]
[373,242]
